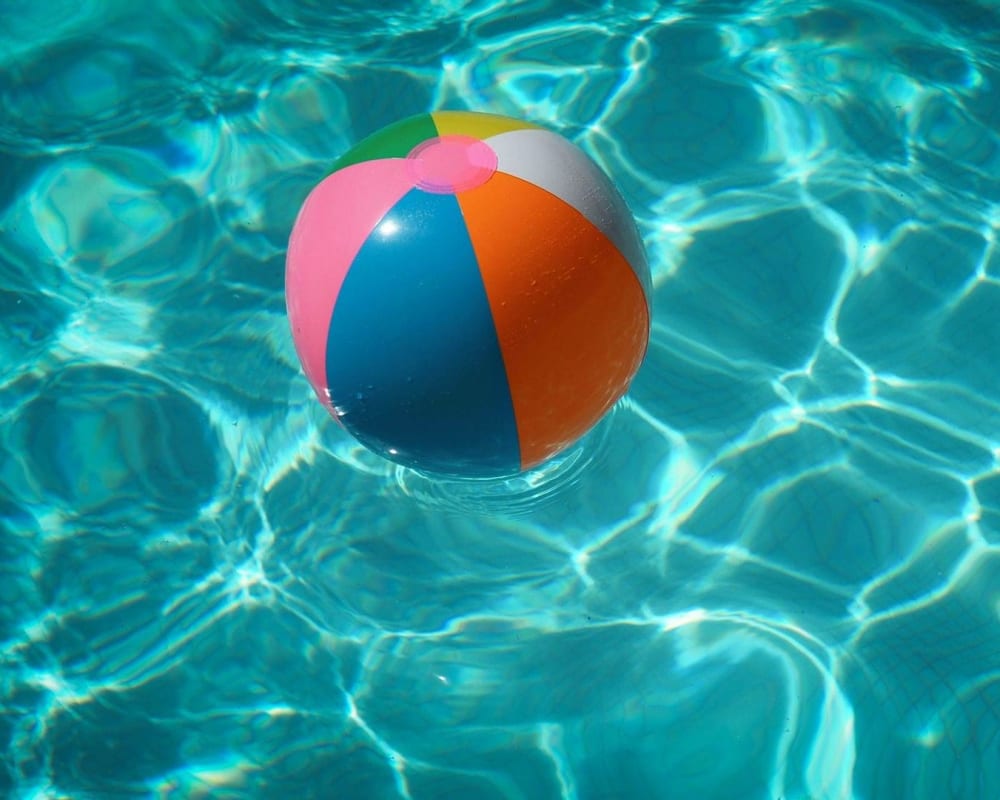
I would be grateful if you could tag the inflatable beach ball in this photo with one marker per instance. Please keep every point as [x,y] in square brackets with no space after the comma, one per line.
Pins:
[468,293]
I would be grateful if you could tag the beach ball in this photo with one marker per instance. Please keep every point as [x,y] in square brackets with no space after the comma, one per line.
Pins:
[468,293]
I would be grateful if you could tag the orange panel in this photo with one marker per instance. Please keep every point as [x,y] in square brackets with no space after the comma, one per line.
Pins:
[569,311]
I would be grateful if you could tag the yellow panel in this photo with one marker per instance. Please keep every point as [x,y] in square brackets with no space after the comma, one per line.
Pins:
[470,123]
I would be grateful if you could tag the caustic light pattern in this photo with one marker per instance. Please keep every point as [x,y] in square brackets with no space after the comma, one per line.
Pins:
[468,293]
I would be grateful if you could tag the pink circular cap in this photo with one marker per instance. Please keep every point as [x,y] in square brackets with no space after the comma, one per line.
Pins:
[450,164]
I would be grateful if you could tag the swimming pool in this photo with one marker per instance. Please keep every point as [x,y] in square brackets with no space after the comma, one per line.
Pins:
[772,572]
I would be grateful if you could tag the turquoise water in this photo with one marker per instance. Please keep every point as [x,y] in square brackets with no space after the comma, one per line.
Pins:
[772,572]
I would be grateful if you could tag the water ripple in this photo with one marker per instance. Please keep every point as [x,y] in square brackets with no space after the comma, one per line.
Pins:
[771,572]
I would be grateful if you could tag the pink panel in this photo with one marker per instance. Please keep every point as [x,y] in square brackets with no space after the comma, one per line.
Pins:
[332,225]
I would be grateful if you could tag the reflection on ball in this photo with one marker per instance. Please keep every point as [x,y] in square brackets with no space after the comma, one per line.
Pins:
[468,293]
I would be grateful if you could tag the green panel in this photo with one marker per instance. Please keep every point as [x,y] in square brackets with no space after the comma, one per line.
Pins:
[393,141]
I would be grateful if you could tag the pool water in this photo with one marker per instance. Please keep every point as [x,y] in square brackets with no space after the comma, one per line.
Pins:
[773,571]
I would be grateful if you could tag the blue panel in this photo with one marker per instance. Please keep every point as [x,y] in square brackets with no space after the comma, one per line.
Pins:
[413,362]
